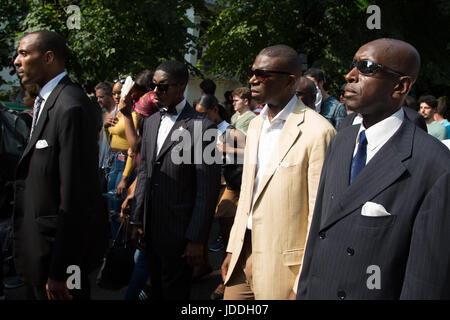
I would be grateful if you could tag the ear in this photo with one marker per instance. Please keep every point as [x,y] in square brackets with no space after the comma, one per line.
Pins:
[246,102]
[402,87]
[292,81]
[49,57]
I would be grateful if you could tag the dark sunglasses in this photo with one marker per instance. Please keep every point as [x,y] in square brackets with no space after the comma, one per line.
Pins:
[262,75]
[122,81]
[367,67]
[163,87]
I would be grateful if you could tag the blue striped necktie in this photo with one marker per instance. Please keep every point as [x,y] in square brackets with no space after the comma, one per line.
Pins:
[359,160]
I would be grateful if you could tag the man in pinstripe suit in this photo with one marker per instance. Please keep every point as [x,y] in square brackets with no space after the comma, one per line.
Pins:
[174,202]
[381,223]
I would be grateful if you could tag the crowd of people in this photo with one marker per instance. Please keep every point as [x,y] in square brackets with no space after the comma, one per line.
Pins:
[309,190]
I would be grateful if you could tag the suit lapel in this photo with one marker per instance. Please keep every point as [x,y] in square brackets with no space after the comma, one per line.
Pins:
[288,136]
[382,171]
[181,121]
[48,104]
[153,128]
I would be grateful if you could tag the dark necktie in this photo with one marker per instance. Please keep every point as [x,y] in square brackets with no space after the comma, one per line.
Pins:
[170,110]
[37,108]
[359,161]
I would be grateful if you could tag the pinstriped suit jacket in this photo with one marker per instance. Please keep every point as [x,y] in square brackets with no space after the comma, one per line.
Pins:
[175,202]
[410,177]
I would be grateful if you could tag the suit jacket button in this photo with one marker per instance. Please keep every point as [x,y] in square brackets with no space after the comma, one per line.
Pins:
[350,251]
[341,295]
[322,235]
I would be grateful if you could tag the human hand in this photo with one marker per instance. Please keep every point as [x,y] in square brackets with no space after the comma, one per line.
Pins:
[121,187]
[126,206]
[110,121]
[57,290]
[292,295]
[136,236]
[225,265]
[221,147]
[194,253]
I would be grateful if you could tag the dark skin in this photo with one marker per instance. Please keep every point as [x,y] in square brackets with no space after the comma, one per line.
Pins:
[275,91]
[35,66]
[194,251]
[306,91]
[378,96]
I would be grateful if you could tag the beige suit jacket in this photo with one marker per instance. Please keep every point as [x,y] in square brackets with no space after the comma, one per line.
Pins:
[284,203]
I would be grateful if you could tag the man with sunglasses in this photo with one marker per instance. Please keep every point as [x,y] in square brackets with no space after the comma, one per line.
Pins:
[283,157]
[380,225]
[175,203]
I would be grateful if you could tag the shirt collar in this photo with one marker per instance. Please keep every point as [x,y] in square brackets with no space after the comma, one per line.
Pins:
[179,107]
[382,131]
[49,86]
[283,114]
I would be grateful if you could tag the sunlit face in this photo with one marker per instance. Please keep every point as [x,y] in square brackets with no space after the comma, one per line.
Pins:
[239,104]
[174,93]
[369,94]
[426,111]
[116,91]
[103,99]
[30,61]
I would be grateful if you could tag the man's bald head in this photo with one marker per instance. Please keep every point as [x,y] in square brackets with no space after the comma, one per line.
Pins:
[306,91]
[377,95]
[288,58]
[397,55]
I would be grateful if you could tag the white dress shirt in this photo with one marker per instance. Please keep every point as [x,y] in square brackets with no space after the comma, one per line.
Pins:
[47,90]
[167,122]
[378,134]
[268,143]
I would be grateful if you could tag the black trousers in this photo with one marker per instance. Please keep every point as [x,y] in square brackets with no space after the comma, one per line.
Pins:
[171,277]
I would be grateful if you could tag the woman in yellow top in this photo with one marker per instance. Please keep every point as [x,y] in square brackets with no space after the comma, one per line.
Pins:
[122,165]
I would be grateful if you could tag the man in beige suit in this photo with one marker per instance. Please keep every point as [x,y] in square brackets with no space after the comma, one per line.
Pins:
[283,159]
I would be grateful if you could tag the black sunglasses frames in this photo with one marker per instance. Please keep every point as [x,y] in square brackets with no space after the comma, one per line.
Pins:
[367,67]
[262,75]
[163,87]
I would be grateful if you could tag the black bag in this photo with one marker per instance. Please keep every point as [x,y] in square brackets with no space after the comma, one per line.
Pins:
[118,264]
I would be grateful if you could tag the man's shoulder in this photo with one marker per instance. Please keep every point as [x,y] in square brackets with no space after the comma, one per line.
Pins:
[317,122]
[428,147]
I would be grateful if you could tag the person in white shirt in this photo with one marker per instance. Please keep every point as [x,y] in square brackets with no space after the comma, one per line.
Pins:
[381,220]
[283,156]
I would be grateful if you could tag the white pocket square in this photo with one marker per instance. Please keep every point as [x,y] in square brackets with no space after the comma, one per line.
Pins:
[284,164]
[372,209]
[41,144]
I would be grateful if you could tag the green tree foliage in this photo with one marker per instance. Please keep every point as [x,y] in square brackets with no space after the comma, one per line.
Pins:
[329,32]
[116,37]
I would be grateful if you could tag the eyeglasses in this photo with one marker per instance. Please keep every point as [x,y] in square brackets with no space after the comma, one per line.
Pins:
[262,75]
[122,81]
[163,87]
[367,67]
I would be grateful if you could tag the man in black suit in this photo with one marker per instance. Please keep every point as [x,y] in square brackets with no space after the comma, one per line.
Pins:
[59,221]
[175,201]
[381,223]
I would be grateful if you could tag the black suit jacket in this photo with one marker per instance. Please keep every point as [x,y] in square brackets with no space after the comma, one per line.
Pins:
[412,115]
[410,178]
[58,216]
[175,202]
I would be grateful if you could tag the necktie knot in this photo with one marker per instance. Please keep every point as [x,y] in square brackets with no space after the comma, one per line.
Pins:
[362,138]
[170,110]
